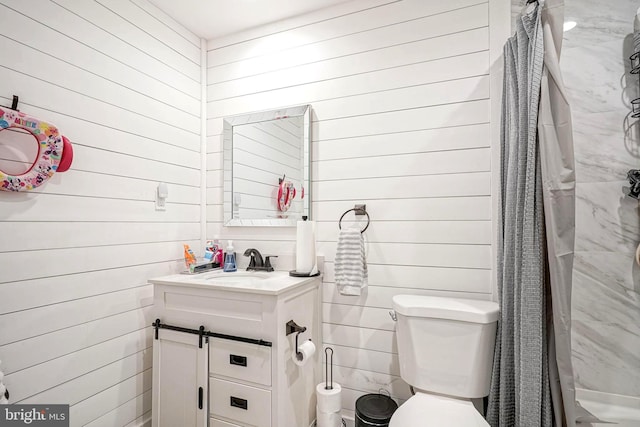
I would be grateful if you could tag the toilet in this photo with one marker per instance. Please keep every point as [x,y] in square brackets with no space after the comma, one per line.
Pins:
[445,348]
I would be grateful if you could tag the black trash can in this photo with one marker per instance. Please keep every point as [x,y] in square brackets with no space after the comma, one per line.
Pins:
[374,410]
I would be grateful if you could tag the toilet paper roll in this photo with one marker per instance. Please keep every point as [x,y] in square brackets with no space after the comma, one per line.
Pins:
[638,255]
[329,419]
[329,400]
[306,351]
[305,246]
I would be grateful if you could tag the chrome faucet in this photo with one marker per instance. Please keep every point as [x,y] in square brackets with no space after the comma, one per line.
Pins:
[256,262]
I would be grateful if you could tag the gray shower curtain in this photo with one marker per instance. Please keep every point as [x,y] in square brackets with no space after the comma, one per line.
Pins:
[532,381]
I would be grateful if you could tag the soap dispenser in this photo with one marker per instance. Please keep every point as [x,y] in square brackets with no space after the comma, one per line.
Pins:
[230,258]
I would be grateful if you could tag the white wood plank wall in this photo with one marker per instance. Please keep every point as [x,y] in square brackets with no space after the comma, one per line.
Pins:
[122,81]
[401,101]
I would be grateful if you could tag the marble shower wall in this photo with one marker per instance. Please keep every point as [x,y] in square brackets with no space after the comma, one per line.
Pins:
[606,285]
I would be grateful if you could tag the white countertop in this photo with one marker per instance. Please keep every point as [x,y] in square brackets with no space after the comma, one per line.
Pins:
[272,283]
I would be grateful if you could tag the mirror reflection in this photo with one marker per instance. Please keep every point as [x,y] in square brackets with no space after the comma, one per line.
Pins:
[266,167]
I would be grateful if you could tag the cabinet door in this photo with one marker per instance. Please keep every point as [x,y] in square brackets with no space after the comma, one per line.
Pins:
[180,380]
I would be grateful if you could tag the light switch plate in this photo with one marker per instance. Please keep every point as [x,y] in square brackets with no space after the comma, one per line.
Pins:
[161,196]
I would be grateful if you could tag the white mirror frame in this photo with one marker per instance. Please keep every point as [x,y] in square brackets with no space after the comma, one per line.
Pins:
[227,144]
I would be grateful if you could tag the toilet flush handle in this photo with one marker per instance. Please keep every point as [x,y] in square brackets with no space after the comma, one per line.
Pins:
[393,316]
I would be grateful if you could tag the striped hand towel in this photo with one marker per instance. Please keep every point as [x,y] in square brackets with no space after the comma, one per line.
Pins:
[351,263]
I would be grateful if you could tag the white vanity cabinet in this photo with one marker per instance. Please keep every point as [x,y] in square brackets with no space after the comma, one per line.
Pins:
[180,371]
[248,384]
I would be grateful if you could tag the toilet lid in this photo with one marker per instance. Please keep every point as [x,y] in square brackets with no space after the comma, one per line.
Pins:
[427,410]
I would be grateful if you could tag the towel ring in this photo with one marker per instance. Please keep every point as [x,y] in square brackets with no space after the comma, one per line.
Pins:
[356,210]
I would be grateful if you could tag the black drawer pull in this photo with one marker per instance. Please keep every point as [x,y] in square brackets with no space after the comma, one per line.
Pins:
[234,359]
[236,402]
[200,397]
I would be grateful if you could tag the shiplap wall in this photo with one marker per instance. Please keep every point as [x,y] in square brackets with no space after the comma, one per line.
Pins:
[400,92]
[122,81]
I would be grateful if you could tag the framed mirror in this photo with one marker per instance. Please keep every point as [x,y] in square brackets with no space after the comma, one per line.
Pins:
[267,167]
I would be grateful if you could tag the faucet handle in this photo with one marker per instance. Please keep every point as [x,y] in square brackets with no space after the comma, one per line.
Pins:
[267,262]
[253,262]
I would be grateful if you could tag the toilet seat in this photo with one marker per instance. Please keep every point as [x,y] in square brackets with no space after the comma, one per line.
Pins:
[430,410]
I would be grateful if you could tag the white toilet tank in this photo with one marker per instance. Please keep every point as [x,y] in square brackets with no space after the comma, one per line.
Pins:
[445,345]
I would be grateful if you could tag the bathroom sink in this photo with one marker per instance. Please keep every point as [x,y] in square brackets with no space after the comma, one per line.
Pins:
[236,277]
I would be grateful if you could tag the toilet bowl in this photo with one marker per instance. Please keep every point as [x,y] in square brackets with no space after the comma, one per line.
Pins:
[431,410]
[445,349]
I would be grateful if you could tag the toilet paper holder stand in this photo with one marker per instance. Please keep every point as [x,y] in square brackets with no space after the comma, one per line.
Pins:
[294,328]
[328,369]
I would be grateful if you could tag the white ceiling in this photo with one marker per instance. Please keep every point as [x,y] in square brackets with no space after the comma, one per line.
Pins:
[215,18]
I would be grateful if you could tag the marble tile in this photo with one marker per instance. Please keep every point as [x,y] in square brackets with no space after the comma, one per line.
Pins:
[606,219]
[622,410]
[598,21]
[605,335]
[606,358]
[604,149]
[608,303]
[597,77]
[618,271]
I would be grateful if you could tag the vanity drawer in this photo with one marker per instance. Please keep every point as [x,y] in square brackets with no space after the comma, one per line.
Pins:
[235,359]
[243,404]
[213,422]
